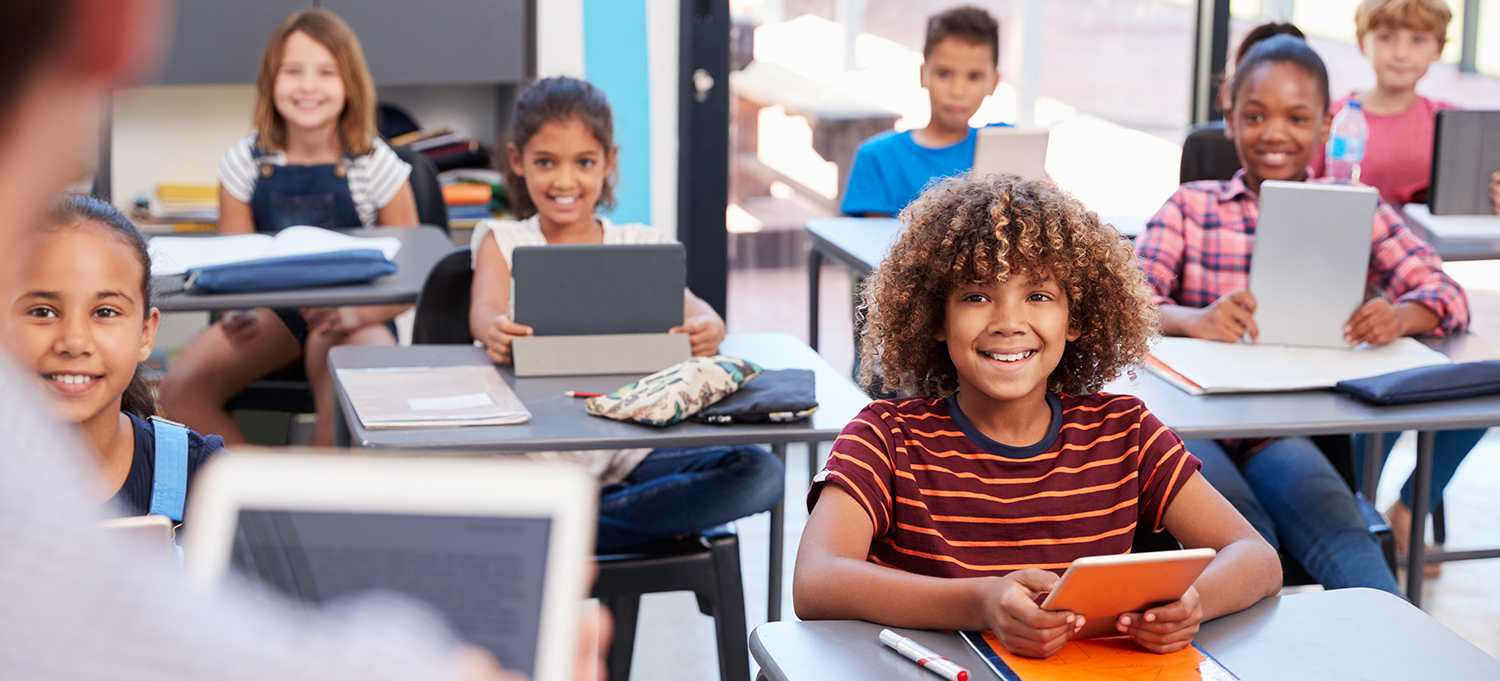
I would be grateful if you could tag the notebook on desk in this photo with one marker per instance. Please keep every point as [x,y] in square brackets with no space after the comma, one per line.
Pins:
[1203,366]
[499,547]
[1310,261]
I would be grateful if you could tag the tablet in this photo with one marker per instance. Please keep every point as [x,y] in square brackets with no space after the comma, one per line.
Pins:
[1100,588]
[593,289]
[156,531]
[500,547]
[1011,151]
[1465,151]
[1311,260]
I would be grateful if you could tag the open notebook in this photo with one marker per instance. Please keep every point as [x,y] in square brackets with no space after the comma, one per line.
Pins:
[432,397]
[178,254]
[1203,366]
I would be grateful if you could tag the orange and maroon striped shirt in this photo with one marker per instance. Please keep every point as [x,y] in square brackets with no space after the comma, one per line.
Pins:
[948,501]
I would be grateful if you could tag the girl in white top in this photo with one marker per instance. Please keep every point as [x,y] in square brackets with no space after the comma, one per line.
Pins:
[313,160]
[560,167]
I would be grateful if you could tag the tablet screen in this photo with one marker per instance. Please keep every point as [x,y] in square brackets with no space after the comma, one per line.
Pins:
[483,573]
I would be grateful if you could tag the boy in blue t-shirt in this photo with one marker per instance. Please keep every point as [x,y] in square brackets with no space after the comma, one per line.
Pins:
[960,68]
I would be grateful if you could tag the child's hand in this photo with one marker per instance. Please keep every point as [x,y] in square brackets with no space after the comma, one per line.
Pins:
[1495,191]
[1375,323]
[1227,319]
[705,331]
[1165,629]
[1025,629]
[498,338]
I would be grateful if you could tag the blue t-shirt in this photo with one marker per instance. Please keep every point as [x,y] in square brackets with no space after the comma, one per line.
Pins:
[891,170]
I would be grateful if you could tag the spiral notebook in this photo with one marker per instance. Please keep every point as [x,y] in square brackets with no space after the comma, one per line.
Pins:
[432,397]
[1117,657]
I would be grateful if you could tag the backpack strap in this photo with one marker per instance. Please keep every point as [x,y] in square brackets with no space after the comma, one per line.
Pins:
[169,483]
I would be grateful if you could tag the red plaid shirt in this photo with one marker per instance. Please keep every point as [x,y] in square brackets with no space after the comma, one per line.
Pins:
[1197,248]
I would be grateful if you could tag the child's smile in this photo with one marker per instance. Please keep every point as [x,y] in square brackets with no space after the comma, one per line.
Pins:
[565,167]
[309,90]
[1279,119]
[1005,338]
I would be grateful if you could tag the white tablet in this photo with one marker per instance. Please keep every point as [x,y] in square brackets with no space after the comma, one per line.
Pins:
[500,547]
[1012,151]
[1311,259]
[156,531]
[1100,588]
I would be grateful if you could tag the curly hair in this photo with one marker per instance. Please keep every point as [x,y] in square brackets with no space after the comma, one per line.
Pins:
[980,228]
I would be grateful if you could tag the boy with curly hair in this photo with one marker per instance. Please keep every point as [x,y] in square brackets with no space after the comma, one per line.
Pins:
[1006,305]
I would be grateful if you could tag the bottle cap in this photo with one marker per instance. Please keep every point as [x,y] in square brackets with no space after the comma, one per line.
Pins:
[1354,104]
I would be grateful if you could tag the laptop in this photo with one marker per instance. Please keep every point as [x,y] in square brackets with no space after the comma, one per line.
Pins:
[499,547]
[1311,260]
[1012,151]
[1465,151]
[592,289]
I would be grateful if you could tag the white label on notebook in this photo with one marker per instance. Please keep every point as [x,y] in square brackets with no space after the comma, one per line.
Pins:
[454,402]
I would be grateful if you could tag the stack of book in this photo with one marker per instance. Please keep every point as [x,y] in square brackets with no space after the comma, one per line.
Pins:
[472,193]
[446,148]
[185,204]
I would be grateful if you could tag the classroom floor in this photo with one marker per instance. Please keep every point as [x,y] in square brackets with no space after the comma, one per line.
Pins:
[674,641]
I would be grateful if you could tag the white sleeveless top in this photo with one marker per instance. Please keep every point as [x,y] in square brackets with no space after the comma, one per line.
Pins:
[609,465]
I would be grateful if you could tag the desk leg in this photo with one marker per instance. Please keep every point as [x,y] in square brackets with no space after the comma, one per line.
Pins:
[341,435]
[1422,484]
[1374,461]
[778,527]
[814,269]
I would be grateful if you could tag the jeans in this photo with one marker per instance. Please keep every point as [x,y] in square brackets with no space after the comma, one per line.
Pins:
[1449,448]
[1292,495]
[687,489]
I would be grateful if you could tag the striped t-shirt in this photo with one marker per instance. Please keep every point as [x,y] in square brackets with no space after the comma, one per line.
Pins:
[374,179]
[947,501]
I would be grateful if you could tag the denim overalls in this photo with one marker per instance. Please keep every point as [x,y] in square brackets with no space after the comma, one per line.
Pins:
[290,195]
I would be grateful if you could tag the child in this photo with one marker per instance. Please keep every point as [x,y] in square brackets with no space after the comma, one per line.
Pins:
[1401,38]
[957,509]
[84,320]
[560,169]
[314,159]
[961,58]
[1196,256]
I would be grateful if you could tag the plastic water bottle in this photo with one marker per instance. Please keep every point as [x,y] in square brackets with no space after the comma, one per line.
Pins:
[1346,142]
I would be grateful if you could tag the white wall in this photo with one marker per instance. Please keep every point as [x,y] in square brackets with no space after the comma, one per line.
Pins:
[174,133]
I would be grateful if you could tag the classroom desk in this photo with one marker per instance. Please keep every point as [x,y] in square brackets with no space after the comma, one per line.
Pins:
[1324,412]
[1456,237]
[859,243]
[421,248]
[1343,634]
[559,422]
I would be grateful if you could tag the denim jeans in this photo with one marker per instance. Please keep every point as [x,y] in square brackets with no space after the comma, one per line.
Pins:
[1449,447]
[680,490]
[1292,495]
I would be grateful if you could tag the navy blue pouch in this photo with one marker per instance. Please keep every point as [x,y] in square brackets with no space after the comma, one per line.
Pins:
[775,396]
[293,271]
[1427,384]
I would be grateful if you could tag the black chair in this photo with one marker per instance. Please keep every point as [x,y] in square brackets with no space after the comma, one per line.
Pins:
[1207,154]
[425,186]
[708,564]
[705,563]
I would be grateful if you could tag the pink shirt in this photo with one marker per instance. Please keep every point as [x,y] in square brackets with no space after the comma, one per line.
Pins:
[1398,155]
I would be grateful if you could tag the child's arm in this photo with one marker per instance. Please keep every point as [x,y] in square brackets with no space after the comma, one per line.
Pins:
[1245,570]
[1227,319]
[1495,191]
[704,326]
[489,303]
[1377,322]
[235,216]
[833,580]
[401,210]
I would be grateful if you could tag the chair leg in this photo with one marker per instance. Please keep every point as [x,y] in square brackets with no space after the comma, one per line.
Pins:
[622,648]
[729,612]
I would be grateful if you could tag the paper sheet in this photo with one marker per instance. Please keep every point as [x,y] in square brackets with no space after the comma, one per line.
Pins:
[1248,367]
[177,254]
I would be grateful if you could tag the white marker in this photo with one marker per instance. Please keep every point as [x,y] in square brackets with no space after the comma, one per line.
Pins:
[919,653]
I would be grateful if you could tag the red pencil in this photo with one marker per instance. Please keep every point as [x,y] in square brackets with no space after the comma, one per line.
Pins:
[578,393]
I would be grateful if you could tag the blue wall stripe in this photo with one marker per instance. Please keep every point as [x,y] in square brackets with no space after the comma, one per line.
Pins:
[615,61]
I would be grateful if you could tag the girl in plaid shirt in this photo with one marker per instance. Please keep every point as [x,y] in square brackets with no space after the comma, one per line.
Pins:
[1196,256]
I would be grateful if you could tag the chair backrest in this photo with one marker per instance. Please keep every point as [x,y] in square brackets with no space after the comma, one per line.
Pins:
[424,185]
[442,316]
[1207,154]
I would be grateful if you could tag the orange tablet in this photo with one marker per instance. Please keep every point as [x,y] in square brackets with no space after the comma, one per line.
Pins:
[1100,588]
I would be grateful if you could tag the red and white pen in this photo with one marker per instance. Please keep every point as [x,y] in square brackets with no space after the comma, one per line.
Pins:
[919,653]
[580,393]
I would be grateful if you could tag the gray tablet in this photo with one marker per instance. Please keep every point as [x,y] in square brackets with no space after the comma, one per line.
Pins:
[1465,151]
[1311,260]
[591,289]
[1012,151]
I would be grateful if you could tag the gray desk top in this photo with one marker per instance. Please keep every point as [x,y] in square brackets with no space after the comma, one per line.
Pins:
[559,422]
[1344,634]
[1456,237]
[421,248]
